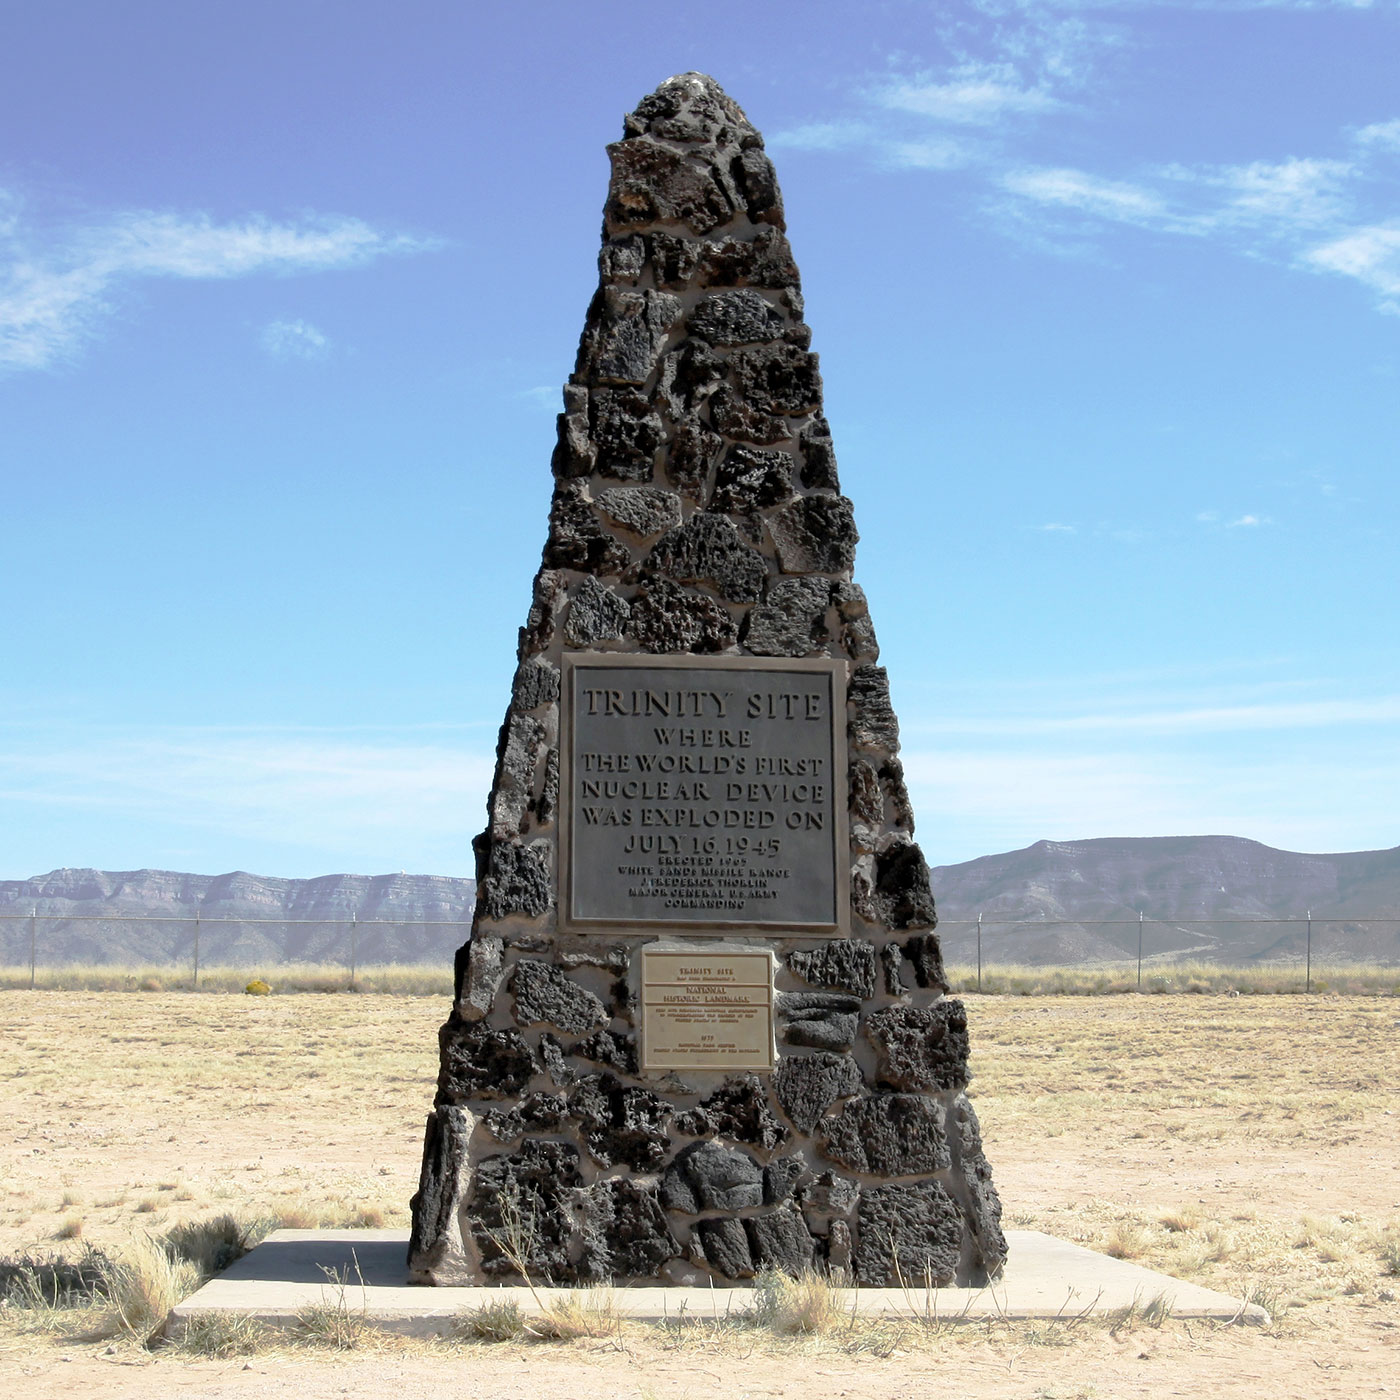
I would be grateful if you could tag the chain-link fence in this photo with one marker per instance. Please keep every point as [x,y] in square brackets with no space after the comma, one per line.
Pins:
[1137,948]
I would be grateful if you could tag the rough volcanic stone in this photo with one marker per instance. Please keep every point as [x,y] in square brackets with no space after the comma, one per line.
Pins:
[433,1243]
[624,1232]
[921,1047]
[620,1124]
[520,881]
[818,457]
[815,534]
[791,620]
[575,454]
[753,478]
[627,333]
[482,1062]
[829,1194]
[668,618]
[808,1085]
[515,775]
[547,802]
[596,614]
[689,376]
[873,724]
[551,592]
[556,1066]
[867,800]
[908,1235]
[693,453]
[892,960]
[614,1049]
[926,954]
[675,261]
[623,259]
[892,780]
[519,1213]
[707,549]
[764,261]
[693,1122]
[576,540]
[535,1113]
[778,379]
[759,183]
[888,1135]
[736,318]
[652,184]
[740,1110]
[984,1215]
[781,1177]
[545,994]
[901,895]
[536,683]
[689,107]
[481,976]
[738,419]
[627,434]
[644,510]
[844,963]
[822,1020]
[710,1177]
[726,1246]
[840,1253]
[780,1240]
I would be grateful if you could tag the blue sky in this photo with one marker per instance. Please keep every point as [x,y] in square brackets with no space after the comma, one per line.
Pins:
[1108,303]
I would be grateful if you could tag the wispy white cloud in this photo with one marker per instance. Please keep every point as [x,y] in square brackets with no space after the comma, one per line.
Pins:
[1076,189]
[294,340]
[974,94]
[823,136]
[542,396]
[56,286]
[1054,528]
[1371,255]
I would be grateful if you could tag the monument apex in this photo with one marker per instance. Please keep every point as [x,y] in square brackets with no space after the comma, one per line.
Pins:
[700,1027]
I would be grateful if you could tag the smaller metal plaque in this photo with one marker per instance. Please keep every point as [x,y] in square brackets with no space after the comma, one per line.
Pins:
[707,1009]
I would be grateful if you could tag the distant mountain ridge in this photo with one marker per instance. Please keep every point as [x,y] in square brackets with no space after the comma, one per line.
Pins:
[1183,885]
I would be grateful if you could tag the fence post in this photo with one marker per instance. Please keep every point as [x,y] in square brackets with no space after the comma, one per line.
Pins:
[33,941]
[354,946]
[196,949]
[1308,984]
[979,952]
[1139,950]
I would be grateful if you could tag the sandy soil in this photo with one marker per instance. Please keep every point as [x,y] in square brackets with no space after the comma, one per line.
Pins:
[1252,1144]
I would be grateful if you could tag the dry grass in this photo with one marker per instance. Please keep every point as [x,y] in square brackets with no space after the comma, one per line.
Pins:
[395,979]
[1181,978]
[808,1305]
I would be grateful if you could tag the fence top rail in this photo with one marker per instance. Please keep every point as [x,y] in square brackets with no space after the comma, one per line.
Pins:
[1174,923]
[222,919]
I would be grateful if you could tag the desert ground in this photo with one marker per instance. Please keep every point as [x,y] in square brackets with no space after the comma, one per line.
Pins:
[1249,1143]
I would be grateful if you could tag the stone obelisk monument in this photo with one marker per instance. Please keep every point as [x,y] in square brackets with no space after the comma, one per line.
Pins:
[699,1029]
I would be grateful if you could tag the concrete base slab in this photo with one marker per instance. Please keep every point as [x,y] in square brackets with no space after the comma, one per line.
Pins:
[364,1272]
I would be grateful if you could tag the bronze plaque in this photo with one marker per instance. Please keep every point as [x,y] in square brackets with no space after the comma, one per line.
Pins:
[704,793]
[707,1009]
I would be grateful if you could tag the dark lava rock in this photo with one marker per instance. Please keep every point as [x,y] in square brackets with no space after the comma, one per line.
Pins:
[822,1020]
[523,744]
[536,683]
[840,1253]
[535,1113]
[844,963]
[481,975]
[519,1213]
[690,107]
[780,1240]
[893,960]
[781,1177]
[576,540]
[921,1047]
[901,895]
[829,1194]
[710,1177]
[626,432]
[614,1049]
[620,1124]
[857,630]
[692,456]
[736,418]
[753,478]
[818,458]
[551,592]
[652,184]
[759,183]
[675,261]
[479,1062]
[763,261]
[888,1135]
[984,1217]
[807,1085]
[555,1065]
[433,1241]
[708,549]
[627,332]
[668,618]
[791,620]
[736,318]
[726,1246]
[740,1110]
[547,802]
[892,779]
[644,510]
[926,954]
[596,614]
[576,453]
[545,994]
[623,259]
[693,1122]
[778,379]
[873,723]
[520,881]
[867,799]
[909,1236]
[624,1231]
[815,535]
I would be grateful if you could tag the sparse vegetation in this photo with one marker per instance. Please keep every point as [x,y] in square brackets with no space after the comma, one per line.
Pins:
[808,1305]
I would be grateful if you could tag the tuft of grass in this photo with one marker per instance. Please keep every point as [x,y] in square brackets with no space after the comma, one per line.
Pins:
[1127,1240]
[1179,1221]
[368,1217]
[334,1323]
[147,1204]
[1389,1251]
[71,1229]
[224,1335]
[575,1313]
[143,1282]
[808,1304]
[210,1245]
[491,1322]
